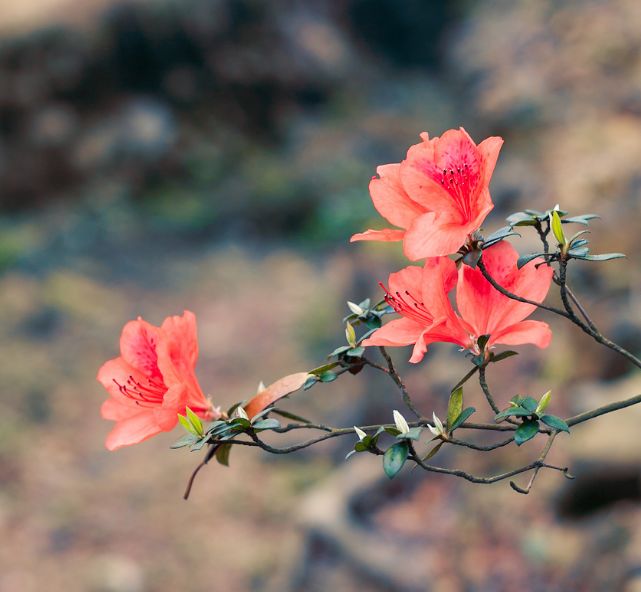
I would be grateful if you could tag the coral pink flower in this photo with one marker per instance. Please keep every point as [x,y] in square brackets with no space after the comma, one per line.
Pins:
[420,295]
[153,380]
[437,196]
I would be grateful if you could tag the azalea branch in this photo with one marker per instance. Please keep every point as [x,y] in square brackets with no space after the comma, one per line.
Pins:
[539,464]
[603,410]
[536,465]
[486,390]
[568,313]
[589,329]
[480,447]
[407,399]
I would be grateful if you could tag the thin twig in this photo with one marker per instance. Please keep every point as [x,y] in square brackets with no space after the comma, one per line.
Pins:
[407,399]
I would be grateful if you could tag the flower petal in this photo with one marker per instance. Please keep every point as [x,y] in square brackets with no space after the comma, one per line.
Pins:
[138,343]
[132,430]
[386,234]
[117,372]
[390,199]
[489,149]
[396,333]
[485,308]
[534,332]
[431,235]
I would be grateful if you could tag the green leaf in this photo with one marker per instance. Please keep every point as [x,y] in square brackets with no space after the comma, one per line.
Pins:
[355,352]
[240,422]
[266,424]
[413,434]
[525,259]
[365,305]
[463,416]
[373,322]
[583,219]
[184,422]
[392,431]
[195,421]
[394,458]
[433,451]
[521,219]
[498,236]
[328,376]
[472,257]
[555,423]
[186,440]
[222,454]
[350,454]
[529,403]
[603,257]
[350,334]
[526,431]
[340,350]
[310,382]
[502,356]
[196,446]
[517,411]
[543,402]
[455,406]
[361,446]
[557,227]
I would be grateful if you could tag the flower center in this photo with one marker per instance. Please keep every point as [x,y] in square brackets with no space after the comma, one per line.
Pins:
[459,183]
[408,306]
[150,394]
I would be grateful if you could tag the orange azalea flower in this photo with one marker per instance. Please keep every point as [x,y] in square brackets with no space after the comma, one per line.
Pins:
[438,195]
[420,296]
[153,380]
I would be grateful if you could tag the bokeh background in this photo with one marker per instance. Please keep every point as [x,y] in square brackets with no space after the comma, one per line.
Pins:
[214,155]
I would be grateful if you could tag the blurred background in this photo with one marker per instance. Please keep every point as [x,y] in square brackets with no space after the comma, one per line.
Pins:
[214,155]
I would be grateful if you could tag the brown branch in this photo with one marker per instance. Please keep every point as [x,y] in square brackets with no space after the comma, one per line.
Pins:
[407,399]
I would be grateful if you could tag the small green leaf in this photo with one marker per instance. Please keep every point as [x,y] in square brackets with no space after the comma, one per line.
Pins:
[222,454]
[526,431]
[521,219]
[413,434]
[498,236]
[373,322]
[529,403]
[240,422]
[184,422]
[186,440]
[455,406]
[472,257]
[355,308]
[350,454]
[195,421]
[340,350]
[350,334]
[543,402]
[525,259]
[328,376]
[196,446]
[266,424]
[355,352]
[433,451]
[604,257]
[555,423]
[310,382]
[361,446]
[502,356]
[557,227]
[516,411]
[463,416]
[394,458]
[392,431]
[583,219]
